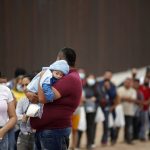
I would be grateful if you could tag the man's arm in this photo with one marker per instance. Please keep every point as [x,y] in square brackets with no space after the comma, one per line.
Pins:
[41,95]
[128,99]
[116,102]
[33,98]
[42,98]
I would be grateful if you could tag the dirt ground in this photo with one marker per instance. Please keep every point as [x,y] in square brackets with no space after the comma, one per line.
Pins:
[120,145]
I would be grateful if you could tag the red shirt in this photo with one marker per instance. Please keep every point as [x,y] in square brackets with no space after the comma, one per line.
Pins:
[57,115]
[146,93]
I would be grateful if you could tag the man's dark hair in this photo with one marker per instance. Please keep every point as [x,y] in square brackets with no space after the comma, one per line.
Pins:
[69,55]
[19,71]
[0,74]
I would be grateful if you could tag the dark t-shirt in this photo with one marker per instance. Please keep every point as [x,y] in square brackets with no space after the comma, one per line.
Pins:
[57,115]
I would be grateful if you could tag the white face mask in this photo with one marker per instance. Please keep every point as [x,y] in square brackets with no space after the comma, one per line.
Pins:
[82,75]
[19,88]
[91,81]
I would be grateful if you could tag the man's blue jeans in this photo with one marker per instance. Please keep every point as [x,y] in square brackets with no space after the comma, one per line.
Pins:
[144,125]
[57,139]
[107,129]
[128,130]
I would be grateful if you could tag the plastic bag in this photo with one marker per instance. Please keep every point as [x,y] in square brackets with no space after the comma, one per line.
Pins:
[33,110]
[119,120]
[99,115]
[82,122]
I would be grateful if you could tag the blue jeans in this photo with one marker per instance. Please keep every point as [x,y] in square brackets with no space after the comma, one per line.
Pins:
[106,129]
[144,125]
[57,139]
[128,130]
[4,143]
[11,139]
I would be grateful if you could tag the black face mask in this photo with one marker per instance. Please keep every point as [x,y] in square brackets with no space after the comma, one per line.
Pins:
[146,84]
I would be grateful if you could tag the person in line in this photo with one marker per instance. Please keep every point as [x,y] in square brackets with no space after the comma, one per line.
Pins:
[18,94]
[91,97]
[107,100]
[52,131]
[145,90]
[26,136]
[18,72]
[128,98]
[17,90]
[8,117]
[137,120]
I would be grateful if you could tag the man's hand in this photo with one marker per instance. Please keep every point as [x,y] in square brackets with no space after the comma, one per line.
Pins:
[33,98]
[24,118]
[2,133]
[128,99]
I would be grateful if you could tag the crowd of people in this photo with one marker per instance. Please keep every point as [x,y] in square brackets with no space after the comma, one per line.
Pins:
[72,102]
[56,95]
[124,106]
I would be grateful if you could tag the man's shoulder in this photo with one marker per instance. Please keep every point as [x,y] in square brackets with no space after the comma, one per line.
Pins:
[72,76]
[69,80]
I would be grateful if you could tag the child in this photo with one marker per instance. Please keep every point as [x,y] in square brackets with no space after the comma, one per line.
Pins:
[54,72]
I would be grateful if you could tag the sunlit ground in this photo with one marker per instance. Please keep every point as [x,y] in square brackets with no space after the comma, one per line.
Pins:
[120,145]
